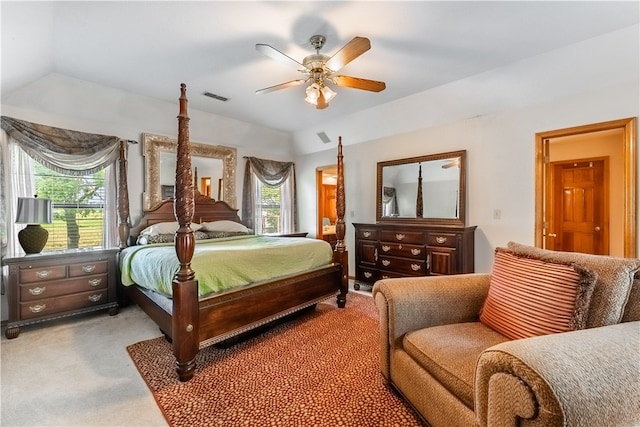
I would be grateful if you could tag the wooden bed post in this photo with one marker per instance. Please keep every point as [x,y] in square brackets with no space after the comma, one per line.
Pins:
[185,331]
[123,197]
[340,254]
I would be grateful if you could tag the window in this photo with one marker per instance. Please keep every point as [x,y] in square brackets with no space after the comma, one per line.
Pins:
[268,209]
[78,207]
[268,201]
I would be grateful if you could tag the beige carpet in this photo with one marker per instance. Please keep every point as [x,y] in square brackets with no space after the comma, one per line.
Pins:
[320,369]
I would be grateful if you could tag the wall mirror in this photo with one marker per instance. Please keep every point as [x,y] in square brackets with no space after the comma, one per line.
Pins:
[215,175]
[423,189]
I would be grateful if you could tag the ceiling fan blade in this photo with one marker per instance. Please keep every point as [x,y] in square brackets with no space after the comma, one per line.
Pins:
[358,83]
[356,47]
[274,53]
[281,86]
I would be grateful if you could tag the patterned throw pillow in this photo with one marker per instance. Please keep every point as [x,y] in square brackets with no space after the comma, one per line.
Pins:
[531,297]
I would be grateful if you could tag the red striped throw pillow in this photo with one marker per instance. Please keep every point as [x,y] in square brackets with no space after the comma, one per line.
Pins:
[530,297]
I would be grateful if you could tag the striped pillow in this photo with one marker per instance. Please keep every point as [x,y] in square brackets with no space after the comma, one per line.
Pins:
[530,297]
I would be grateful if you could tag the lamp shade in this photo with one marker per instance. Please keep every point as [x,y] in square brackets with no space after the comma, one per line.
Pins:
[33,211]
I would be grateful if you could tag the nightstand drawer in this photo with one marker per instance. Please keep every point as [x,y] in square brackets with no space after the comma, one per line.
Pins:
[51,306]
[63,287]
[90,267]
[39,273]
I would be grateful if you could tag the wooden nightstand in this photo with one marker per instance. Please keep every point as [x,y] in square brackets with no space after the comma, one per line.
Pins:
[51,285]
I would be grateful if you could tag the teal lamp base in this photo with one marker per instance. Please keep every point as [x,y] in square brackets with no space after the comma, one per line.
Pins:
[33,238]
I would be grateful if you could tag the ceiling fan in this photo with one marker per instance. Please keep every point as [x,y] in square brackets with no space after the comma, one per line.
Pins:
[320,69]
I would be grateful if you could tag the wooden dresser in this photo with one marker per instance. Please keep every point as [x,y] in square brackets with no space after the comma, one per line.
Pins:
[400,250]
[51,285]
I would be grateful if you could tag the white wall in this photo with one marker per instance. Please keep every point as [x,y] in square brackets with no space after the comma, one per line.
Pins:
[594,81]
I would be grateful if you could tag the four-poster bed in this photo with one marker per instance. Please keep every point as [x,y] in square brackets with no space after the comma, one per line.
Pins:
[191,321]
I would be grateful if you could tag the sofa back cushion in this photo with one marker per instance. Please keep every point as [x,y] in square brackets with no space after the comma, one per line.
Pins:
[632,308]
[613,284]
[531,297]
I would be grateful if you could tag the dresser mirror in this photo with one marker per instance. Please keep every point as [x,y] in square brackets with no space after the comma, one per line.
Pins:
[425,189]
[213,166]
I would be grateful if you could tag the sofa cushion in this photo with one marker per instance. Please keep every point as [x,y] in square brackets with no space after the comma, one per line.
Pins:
[632,308]
[613,285]
[531,297]
[449,353]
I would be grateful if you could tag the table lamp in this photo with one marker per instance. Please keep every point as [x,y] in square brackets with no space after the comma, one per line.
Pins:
[33,212]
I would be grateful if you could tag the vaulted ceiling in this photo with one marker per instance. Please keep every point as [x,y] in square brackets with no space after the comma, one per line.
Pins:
[148,48]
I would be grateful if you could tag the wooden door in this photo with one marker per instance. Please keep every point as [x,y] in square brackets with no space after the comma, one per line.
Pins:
[578,212]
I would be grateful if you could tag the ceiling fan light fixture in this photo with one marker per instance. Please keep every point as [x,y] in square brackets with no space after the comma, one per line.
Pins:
[313,93]
[328,93]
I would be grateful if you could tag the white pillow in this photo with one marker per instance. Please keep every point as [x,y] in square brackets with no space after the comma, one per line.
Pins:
[166,228]
[224,225]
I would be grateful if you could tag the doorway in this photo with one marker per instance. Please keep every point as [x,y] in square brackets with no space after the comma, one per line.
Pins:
[586,189]
[326,184]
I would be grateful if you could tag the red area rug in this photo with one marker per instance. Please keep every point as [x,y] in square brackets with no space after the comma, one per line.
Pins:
[319,369]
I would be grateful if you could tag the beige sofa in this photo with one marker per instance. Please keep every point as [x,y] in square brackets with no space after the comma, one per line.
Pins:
[456,371]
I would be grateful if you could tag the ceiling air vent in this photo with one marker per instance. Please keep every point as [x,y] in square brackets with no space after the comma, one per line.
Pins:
[214,96]
[323,136]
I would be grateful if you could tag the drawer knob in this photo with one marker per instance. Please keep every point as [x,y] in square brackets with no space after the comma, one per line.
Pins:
[441,239]
[400,236]
[415,251]
[88,268]
[386,262]
[37,308]
[43,274]
[37,291]
[95,298]
[386,248]
[366,233]
[415,267]
[367,275]
[95,282]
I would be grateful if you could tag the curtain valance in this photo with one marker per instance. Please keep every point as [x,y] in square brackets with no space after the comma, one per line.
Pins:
[62,150]
[270,172]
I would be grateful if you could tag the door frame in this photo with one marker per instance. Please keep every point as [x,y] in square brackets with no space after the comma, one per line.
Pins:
[629,166]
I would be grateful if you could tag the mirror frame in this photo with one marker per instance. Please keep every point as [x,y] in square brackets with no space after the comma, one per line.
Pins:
[462,194]
[153,145]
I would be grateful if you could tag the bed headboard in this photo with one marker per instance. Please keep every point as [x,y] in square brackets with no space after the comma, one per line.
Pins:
[205,210]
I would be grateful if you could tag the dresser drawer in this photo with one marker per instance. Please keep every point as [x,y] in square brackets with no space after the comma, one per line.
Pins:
[403,250]
[51,306]
[50,289]
[368,275]
[403,265]
[415,237]
[395,274]
[88,267]
[31,274]
[367,233]
[447,240]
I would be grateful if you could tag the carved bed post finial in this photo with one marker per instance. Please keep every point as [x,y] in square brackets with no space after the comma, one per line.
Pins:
[340,252]
[185,287]
[123,197]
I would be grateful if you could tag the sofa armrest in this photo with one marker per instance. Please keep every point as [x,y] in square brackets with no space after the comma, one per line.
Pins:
[407,304]
[587,377]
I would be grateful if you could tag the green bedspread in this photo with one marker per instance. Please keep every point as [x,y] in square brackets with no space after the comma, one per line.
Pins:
[224,263]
